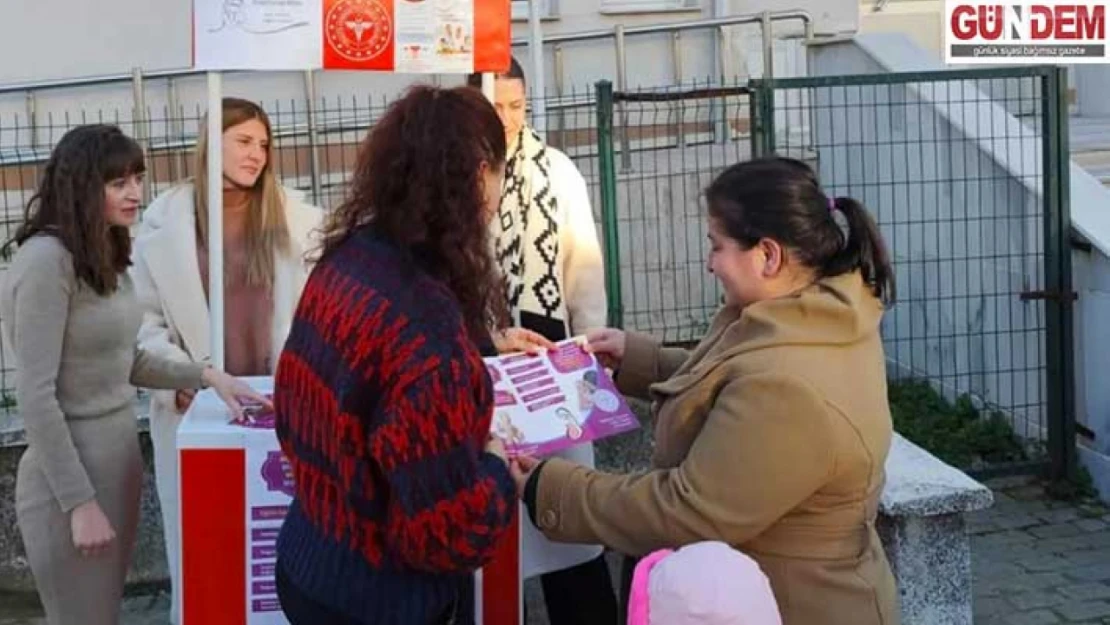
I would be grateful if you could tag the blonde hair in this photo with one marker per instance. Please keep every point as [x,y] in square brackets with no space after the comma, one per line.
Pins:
[267,230]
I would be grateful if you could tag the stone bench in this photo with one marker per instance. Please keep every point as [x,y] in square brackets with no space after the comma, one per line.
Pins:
[922,524]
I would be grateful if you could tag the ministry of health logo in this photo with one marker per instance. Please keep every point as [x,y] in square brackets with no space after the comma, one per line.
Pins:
[358,30]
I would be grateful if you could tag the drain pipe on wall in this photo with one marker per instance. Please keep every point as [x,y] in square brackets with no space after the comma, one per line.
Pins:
[537,79]
[719,110]
[720,9]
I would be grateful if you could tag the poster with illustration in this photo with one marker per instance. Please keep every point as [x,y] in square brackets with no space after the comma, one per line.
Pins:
[551,401]
[269,494]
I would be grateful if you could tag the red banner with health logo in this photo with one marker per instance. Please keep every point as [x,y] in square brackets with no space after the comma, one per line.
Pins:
[417,36]
[401,36]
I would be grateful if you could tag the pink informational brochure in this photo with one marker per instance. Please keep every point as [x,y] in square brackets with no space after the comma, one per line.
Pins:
[554,400]
[255,415]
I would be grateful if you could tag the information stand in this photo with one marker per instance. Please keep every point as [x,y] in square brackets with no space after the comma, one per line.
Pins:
[234,487]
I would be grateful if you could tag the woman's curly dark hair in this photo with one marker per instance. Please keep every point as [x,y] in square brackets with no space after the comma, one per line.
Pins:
[69,202]
[418,181]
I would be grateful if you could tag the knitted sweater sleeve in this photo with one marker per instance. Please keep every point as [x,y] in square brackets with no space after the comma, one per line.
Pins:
[40,283]
[451,502]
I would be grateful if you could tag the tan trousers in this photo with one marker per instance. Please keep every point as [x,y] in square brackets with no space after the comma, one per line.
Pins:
[76,590]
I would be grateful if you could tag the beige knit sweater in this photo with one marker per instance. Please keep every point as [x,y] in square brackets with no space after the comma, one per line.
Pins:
[76,357]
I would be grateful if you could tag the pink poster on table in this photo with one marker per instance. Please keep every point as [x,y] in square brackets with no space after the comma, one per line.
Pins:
[269,494]
[551,401]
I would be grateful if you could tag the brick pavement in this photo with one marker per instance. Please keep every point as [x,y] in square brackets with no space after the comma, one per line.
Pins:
[140,610]
[154,610]
[1035,562]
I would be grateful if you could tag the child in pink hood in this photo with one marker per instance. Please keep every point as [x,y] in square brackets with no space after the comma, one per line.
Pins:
[706,583]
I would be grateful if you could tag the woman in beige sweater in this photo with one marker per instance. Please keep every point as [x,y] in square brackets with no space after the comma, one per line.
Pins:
[70,317]
[772,434]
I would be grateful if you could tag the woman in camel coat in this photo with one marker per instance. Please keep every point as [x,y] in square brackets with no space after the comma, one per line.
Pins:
[773,433]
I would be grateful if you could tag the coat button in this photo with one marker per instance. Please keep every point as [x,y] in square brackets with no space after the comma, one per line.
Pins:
[548,519]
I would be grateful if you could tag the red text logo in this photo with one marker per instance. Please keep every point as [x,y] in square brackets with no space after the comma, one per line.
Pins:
[1037,22]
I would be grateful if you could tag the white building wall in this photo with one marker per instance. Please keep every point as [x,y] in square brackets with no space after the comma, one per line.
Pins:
[959,209]
[111,37]
[57,39]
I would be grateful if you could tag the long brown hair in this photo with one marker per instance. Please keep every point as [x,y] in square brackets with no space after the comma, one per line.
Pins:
[267,230]
[418,181]
[69,202]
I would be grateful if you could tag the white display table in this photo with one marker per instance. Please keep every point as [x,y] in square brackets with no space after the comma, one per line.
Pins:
[234,491]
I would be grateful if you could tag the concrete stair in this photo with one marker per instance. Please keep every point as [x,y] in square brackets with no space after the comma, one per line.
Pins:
[1090,145]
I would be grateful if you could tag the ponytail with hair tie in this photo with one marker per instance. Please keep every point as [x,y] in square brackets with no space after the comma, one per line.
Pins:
[781,198]
[863,249]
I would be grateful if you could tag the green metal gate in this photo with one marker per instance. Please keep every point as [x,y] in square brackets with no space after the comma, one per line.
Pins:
[966,173]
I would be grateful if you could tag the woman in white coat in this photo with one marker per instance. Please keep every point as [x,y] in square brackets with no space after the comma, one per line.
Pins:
[268,230]
[547,248]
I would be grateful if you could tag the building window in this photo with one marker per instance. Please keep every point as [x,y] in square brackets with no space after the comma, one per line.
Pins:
[623,7]
[549,9]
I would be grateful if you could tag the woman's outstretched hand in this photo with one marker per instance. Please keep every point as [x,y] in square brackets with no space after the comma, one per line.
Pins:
[608,345]
[520,340]
[184,398]
[233,391]
[521,468]
[495,446]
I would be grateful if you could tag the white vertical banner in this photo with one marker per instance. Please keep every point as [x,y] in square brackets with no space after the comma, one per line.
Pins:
[216,219]
[487,86]
[257,34]
[538,79]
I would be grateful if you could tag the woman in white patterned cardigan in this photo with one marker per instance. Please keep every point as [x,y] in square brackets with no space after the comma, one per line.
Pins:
[547,246]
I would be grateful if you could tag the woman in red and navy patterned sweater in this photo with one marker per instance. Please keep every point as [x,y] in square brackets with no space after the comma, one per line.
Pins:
[383,401]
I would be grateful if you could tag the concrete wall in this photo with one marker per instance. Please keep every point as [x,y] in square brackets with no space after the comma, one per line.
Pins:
[923,23]
[992,149]
[69,39]
[920,20]
[34,126]
[1093,87]
[963,225]
[1092,329]
[663,246]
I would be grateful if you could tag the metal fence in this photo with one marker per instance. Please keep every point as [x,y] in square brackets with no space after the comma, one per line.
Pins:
[966,174]
[667,147]
[668,151]
[965,171]
[315,158]
[170,138]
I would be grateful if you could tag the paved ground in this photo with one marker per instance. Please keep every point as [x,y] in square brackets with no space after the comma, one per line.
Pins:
[154,610]
[145,610]
[1040,562]
[1036,562]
